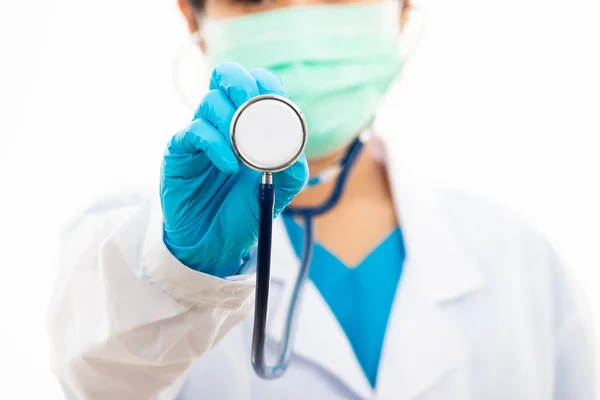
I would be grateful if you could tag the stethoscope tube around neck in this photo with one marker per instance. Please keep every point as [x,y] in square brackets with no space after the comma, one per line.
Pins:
[347,162]
[263,263]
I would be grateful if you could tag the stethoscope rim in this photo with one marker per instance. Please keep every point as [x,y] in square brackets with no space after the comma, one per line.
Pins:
[239,153]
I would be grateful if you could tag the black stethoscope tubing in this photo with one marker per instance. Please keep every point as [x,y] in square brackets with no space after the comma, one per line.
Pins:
[266,197]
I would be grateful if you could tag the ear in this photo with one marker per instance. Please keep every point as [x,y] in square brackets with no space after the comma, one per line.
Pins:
[406,6]
[188,14]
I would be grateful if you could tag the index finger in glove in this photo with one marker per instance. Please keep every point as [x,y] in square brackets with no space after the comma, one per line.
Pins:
[268,82]
[236,81]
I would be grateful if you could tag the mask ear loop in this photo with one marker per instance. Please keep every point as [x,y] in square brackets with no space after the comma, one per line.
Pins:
[194,39]
[410,37]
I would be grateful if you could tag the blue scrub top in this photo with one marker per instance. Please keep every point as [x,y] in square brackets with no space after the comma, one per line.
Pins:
[360,297]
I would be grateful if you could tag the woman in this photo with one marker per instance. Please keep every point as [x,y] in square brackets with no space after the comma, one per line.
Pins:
[413,293]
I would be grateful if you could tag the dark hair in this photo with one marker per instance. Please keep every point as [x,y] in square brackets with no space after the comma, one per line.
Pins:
[199,4]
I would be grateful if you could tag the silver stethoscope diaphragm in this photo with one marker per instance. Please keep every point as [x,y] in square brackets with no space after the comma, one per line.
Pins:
[268,133]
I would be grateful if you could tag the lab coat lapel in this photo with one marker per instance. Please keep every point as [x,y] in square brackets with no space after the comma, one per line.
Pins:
[422,344]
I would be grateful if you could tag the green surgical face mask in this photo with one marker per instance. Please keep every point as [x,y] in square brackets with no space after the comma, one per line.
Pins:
[336,61]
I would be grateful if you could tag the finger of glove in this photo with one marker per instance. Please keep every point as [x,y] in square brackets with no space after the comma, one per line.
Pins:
[217,108]
[236,81]
[202,136]
[268,82]
[289,182]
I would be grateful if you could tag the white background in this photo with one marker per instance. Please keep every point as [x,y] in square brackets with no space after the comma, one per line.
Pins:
[501,99]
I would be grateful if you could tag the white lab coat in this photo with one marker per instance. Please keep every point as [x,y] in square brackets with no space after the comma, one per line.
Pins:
[484,310]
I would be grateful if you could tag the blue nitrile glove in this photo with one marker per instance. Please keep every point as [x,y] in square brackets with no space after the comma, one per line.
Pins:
[209,199]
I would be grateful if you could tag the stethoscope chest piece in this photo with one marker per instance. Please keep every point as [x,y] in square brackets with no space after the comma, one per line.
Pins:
[268,133]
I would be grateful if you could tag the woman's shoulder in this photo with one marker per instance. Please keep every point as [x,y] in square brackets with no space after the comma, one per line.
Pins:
[513,255]
[503,242]
[479,218]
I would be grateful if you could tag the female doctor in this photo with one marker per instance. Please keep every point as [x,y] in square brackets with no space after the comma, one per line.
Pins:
[413,293]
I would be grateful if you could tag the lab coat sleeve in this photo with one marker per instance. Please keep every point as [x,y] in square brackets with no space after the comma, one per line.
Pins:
[575,344]
[126,318]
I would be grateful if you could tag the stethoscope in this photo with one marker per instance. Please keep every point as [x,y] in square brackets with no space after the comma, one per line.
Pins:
[268,134]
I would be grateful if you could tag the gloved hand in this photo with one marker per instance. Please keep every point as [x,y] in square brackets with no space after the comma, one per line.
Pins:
[209,199]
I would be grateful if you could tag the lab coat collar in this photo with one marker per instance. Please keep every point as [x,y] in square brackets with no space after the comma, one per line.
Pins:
[421,344]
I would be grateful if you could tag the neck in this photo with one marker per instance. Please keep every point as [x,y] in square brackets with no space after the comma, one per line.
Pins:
[367,178]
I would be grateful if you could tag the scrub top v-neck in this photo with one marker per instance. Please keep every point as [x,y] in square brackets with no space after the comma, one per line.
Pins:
[360,297]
